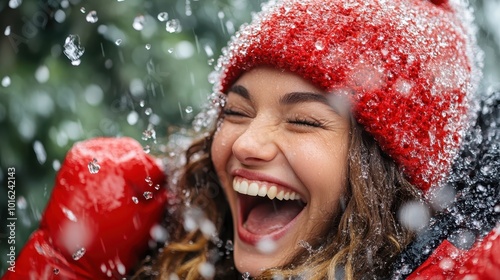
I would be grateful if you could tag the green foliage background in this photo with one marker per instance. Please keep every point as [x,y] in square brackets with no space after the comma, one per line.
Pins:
[96,98]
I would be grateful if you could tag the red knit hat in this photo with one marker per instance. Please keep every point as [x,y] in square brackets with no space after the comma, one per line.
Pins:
[406,66]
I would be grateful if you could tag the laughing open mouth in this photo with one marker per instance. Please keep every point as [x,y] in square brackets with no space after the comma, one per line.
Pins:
[265,210]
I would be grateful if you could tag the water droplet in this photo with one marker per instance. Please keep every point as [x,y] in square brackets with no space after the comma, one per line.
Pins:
[73,50]
[147,149]
[157,186]
[266,246]
[56,271]
[212,77]
[42,74]
[41,154]
[118,42]
[94,166]
[60,16]
[149,181]
[21,203]
[148,195]
[13,4]
[69,214]
[206,270]
[158,233]
[6,81]
[173,26]
[462,239]
[121,269]
[189,11]
[319,45]
[229,245]
[92,17]
[7,31]
[79,254]
[497,208]
[414,215]
[148,46]
[163,16]
[173,276]
[135,199]
[56,165]
[138,23]
[208,228]
[189,109]
[171,50]
[142,103]
[245,276]
[306,246]
[149,133]
[82,10]
[132,117]
[148,111]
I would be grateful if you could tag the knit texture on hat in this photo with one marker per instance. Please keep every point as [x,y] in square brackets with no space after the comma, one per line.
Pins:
[407,67]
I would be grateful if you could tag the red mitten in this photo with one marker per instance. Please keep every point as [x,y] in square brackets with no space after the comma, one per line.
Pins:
[482,261]
[441,264]
[97,222]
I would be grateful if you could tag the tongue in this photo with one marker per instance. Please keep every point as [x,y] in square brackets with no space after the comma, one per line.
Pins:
[271,216]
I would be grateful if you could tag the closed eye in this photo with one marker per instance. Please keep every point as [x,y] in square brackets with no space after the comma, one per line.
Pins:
[231,112]
[306,122]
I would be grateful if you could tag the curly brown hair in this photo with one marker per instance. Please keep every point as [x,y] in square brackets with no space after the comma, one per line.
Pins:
[359,243]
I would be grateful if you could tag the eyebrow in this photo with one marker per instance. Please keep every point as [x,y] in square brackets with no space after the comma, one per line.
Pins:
[240,90]
[290,98]
[301,97]
[287,99]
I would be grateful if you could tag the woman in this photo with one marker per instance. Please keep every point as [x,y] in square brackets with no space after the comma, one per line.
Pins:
[333,117]
[337,114]
[287,196]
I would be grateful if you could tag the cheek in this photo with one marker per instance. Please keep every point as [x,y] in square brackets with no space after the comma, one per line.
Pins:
[325,159]
[221,148]
[322,167]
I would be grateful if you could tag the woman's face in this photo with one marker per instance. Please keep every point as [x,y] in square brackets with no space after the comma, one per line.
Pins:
[281,157]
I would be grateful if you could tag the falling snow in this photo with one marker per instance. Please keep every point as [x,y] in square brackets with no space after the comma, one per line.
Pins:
[78,254]
[92,17]
[148,195]
[73,50]
[173,26]
[7,31]
[14,4]
[267,246]
[207,270]
[466,206]
[163,16]
[40,152]
[139,22]
[6,81]
[94,166]
[135,200]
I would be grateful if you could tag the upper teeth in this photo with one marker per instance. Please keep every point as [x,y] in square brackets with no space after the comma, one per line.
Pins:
[258,189]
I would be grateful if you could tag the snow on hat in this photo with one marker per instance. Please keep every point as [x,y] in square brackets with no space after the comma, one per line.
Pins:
[407,66]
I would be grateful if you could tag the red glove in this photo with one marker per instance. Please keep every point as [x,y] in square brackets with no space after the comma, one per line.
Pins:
[96,225]
[482,261]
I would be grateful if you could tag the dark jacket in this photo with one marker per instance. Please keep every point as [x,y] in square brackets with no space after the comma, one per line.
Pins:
[462,239]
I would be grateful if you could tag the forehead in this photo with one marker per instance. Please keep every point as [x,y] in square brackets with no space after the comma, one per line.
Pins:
[272,79]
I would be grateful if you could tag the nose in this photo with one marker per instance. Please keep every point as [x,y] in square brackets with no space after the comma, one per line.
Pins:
[257,143]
